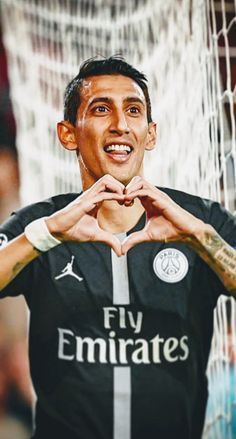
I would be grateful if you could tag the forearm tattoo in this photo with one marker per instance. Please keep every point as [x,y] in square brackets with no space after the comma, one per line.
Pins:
[17,268]
[9,275]
[220,256]
[213,243]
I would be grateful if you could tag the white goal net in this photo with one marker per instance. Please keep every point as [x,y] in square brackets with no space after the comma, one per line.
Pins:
[178,44]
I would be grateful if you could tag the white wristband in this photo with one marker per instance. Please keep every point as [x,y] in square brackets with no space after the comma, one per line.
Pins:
[39,236]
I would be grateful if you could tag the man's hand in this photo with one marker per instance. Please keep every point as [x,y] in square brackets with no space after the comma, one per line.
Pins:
[166,220]
[78,220]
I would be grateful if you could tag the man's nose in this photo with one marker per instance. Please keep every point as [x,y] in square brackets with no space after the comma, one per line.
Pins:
[119,123]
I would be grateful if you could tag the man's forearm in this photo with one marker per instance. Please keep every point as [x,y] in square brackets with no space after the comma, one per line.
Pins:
[219,255]
[14,257]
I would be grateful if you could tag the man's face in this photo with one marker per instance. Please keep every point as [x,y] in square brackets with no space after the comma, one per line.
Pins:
[112,130]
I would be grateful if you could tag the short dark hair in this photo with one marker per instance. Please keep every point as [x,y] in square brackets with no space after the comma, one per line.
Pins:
[114,65]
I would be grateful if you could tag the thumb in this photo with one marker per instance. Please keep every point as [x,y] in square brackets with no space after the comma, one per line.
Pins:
[132,240]
[111,240]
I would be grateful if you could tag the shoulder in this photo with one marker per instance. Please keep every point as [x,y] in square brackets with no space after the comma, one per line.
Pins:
[193,203]
[20,218]
[46,207]
[209,211]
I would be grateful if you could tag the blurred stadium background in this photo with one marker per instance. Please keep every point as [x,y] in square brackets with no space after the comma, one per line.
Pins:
[187,48]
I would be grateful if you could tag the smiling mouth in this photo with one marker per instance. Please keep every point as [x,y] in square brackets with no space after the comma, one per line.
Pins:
[118,149]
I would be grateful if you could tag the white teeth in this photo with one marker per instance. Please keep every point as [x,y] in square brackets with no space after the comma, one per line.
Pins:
[115,147]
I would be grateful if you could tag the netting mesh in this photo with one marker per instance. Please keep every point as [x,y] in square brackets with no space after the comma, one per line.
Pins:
[176,43]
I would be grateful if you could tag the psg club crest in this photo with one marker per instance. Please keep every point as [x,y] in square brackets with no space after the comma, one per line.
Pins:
[170,265]
[3,240]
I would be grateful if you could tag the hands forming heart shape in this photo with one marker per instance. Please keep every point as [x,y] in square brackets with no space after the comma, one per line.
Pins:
[165,220]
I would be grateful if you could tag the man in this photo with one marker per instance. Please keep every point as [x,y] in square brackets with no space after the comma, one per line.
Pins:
[119,340]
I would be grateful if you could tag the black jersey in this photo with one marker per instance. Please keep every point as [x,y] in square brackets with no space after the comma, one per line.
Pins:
[119,346]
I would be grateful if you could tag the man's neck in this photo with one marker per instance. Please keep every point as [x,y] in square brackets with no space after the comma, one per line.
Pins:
[116,218]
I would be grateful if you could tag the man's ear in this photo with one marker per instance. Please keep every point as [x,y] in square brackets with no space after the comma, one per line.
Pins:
[66,134]
[152,136]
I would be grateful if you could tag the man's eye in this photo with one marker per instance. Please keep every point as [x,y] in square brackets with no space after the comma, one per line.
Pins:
[134,110]
[100,109]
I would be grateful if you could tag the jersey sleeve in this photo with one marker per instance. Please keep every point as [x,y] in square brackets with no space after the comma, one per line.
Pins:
[9,230]
[15,225]
[225,225]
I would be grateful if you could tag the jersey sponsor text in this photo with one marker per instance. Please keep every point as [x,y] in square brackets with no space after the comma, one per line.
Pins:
[117,350]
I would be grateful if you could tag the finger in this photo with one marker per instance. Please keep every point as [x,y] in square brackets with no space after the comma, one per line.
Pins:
[105,184]
[128,203]
[78,208]
[153,202]
[137,183]
[134,239]
[103,196]
[90,204]
[146,197]
[160,202]
[134,180]
[142,192]
[161,198]
[68,216]
[109,239]
[96,197]
[109,183]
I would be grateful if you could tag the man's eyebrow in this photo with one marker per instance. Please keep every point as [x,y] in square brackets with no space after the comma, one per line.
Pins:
[128,99]
[100,99]
[134,99]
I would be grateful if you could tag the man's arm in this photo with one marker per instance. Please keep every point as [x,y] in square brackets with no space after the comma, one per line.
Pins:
[75,222]
[14,257]
[219,255]
[168,222]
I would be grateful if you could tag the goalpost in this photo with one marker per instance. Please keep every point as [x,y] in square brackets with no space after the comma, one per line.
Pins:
[176,43]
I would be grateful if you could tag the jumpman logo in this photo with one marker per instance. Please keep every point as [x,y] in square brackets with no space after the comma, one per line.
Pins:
[68,271]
